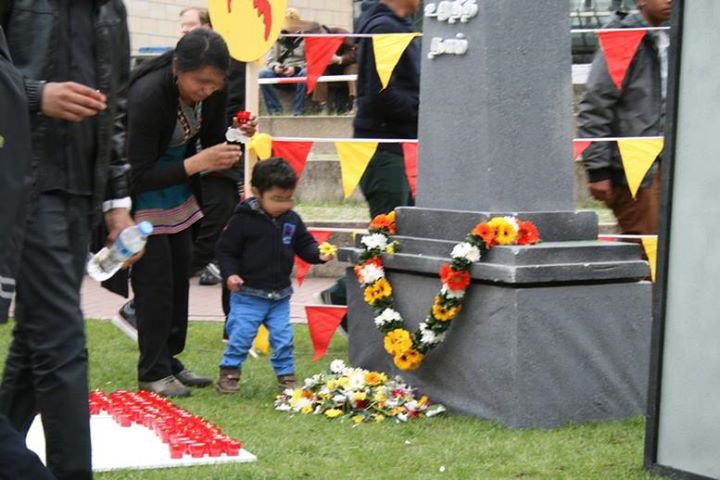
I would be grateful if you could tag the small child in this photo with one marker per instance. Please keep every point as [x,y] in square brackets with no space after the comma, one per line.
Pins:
[256,253]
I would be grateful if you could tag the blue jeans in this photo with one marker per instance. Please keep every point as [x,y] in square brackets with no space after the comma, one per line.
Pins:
[271,100]
[247,313]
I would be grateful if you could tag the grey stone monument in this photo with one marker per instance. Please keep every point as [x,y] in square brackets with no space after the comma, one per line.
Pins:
[549,334]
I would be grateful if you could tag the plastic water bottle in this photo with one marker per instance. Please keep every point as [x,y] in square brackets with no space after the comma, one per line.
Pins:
[109,260]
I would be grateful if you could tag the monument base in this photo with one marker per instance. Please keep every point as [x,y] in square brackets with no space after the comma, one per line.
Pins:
[549,334]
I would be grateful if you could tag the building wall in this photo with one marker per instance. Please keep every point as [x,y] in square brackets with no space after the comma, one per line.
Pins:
[155,23]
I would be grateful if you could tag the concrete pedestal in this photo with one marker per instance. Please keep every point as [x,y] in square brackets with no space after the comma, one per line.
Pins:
[549,334]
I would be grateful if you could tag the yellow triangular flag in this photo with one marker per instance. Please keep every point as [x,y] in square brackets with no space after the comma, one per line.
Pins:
[354,159]
[650,246]
[638,156]
[388,49]
[262,340]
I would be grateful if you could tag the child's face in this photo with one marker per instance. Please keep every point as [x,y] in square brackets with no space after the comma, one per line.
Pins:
[275,201]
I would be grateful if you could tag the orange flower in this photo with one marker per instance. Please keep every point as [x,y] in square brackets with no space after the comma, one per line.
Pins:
[453,279]
[409,360]
[527,233]
[384,222]
[375,378]
[486,232]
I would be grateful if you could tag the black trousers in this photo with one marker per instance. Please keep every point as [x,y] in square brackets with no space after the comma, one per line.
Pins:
[160,281]
[219,199]
[46,368]
[384,183]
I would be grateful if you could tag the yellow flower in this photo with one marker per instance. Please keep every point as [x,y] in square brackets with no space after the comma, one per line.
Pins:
[423,400]
[398,341]
[357,419]
[445,314]
[375,378]
[377,291]
[306,409]
[332,385]
[359,396]
[327,248]
[505,232]
[391,249]
[343,382]
[409,360]
[333,413]
[379,418]
[391,216]
[397,411]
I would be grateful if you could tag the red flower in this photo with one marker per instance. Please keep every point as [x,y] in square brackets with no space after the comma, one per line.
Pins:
[453,279]
[527,233]
[384,222]
[486,232]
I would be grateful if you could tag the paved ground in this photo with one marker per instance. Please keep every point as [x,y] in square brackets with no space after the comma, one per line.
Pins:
[204,301]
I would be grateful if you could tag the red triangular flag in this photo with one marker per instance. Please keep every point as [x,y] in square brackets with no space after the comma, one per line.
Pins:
[410,152]
[301,266]
[322,323]
[579,146]
[619,49]
[296,153]
[318,52]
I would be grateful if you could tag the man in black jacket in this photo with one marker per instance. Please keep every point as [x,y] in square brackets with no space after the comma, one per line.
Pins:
[635,110]
[391,112]
[16,461]
[74,55]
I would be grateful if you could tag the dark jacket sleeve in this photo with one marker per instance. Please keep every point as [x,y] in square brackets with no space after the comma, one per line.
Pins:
[595,117]
[117,185]
[149,107]
[236,90]
[305,245]
[395,103]
[213,119]
[230,246]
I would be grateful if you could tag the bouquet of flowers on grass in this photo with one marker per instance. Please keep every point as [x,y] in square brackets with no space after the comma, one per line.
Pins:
[357,394]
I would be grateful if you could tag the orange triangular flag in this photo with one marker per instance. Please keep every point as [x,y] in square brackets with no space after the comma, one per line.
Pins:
[650,245]
[579,146]
[296,153]
[318,52]
[410,152]
[637,157]
[301,266]
[619,49]
[322,323]
[354,159]
[388,48]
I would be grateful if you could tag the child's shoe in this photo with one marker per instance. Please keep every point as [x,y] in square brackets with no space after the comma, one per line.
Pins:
[286,381]
[229,381]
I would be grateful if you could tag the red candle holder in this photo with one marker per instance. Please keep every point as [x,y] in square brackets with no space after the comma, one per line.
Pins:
[243,117]
[177,450]
[198,450]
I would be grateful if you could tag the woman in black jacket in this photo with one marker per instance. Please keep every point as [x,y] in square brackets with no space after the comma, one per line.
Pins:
[173,101]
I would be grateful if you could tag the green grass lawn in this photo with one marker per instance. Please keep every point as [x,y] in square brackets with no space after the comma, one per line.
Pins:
[298,447]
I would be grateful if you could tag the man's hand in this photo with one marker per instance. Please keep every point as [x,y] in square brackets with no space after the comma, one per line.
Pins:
[117,220]
[71,101]
[234,282]
[289,71]
[601,190]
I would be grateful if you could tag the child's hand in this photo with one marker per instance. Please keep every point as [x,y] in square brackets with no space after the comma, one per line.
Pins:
[328,251]
[234,282]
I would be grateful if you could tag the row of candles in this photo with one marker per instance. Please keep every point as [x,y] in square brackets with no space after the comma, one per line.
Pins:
[184,433]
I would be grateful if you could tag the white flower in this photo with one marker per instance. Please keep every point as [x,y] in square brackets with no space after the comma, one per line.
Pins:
[283,407]
[451,294]
[388,315]
[371,273]
[235,135]
[337,366]
[466,251]
[374,241]
[436,409]
[357,381]
[312,381]
[402,417]
[429,337]
[301,403]
[339,399]
[514,222]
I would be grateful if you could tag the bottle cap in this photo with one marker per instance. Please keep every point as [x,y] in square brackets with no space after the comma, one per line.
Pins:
[145,228]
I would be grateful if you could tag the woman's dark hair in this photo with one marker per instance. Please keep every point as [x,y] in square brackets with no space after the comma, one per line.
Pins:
[273,172]
[197,49]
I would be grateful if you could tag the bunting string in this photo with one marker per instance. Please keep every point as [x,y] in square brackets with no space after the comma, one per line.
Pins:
[371,35]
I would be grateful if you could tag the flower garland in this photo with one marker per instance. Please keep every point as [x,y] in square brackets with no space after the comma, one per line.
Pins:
[408,349]
[357,394]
